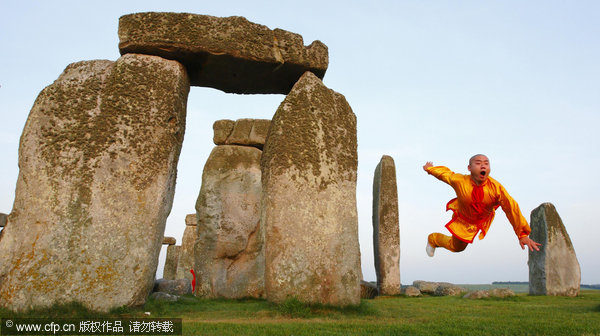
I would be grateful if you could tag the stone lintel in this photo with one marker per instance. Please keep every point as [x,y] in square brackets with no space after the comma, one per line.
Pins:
[242,132]
[169,241]
[231,54]
[190,220]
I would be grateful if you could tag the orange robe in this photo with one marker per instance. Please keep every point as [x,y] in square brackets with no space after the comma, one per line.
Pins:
[475,206]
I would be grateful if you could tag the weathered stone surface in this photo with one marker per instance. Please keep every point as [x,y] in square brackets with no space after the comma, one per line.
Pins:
[186,254]
[169,241]
[231,54]
[171,262]
[368,290]
[478,294]
[229,254]
[502,292]
[309,168]
[386,227]
[191,220]
[426,287]
[498,292]
[173,287]
[98,159]
[554,270]
[445,289]
[222,129]
[412,291]
[438,288]
[3,218]
[243,132]
[160,296]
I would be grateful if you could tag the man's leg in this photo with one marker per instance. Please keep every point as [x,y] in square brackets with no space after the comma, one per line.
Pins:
[450,243]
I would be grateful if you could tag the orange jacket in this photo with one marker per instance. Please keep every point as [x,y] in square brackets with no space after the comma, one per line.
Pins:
[475,206]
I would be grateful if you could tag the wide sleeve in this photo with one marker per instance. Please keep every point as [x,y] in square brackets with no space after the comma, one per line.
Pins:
[442,173]
[513,213]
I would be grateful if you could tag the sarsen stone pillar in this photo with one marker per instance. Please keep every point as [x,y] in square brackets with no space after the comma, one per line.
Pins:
[309,213]
[554,269]
[98,159]
[386,228]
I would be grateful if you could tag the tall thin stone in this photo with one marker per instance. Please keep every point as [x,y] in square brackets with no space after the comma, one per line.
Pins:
[186,255]
[98,160]
[386,228]
[170,270]
[309,213]
[554,270]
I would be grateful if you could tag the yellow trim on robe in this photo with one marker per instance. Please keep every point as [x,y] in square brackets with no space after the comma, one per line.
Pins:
[464,224]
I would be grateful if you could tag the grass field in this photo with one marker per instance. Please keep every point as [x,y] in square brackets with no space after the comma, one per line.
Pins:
[519,315]
[517,288]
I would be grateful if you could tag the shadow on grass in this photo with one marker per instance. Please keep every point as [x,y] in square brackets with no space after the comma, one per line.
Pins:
[66,310]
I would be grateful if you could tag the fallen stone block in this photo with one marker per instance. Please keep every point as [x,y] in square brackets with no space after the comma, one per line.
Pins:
[412,291]
[160,296]
[368,290]
[174,287]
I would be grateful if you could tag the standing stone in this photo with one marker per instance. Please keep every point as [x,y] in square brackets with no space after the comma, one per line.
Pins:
[186,254]
[554,269]
[386,228]
[231,54]
[309,213]
[98,159]
[170,270]
[229,255]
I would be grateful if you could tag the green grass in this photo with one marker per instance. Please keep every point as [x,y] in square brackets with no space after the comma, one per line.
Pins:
[396,315]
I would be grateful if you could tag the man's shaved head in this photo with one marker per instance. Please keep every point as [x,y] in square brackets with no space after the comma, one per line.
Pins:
[474,156]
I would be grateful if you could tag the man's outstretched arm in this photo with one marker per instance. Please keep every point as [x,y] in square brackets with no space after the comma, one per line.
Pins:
[526,241]
[440,172]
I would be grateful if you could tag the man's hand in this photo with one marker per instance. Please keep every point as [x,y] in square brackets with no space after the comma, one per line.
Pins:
[526,241]
[427,165]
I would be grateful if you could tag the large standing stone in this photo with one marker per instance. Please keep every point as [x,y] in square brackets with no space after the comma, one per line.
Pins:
[386,229]
[98,159]
[230,54]
[554,270]
[229,247]
[309,168]
[171,262]
[186,254]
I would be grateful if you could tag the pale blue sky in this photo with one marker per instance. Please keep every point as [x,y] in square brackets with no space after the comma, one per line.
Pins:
[428,81]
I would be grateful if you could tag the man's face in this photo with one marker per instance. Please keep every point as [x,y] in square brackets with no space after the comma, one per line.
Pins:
[479,166]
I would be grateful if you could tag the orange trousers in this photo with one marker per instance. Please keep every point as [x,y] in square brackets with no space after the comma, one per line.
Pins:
[450,243]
